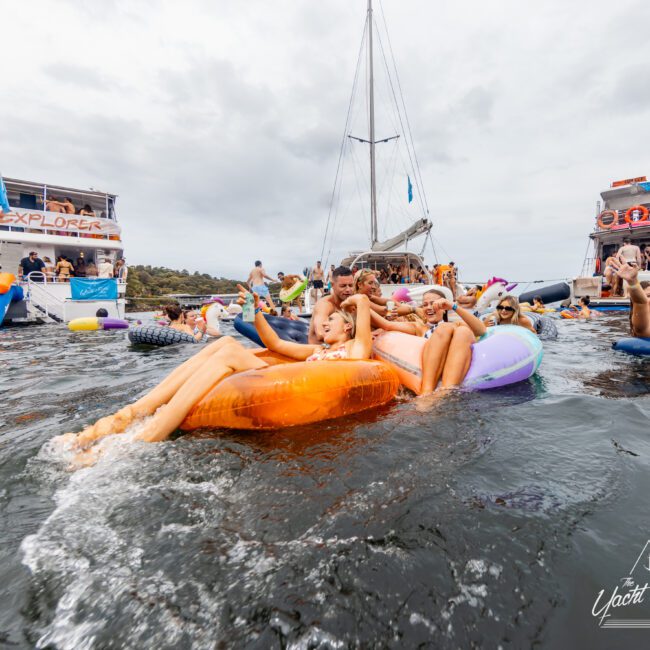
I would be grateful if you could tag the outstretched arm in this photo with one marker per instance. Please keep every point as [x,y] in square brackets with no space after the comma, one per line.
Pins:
[475,324]
[393,326]
[640,317]
[270,338]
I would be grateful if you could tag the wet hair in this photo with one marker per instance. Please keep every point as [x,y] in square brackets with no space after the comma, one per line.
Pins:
[514,302]
[585,300]
[361,276]
[101,313]
[258,263]
[286,308]
[173,311]
[538,298]
[341,271]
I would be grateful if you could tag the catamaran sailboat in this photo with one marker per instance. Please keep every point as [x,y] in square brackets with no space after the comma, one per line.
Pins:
[85,228]
[393,250]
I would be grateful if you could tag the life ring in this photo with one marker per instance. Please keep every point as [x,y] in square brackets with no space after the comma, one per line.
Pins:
[92,324]
[607,226]
[641,208]
[504,355]
[294,393]
[598,266]
[160,336]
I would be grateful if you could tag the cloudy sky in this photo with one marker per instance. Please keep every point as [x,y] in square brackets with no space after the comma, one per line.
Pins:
[218,123]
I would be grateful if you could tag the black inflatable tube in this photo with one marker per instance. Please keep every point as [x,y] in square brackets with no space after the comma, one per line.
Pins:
[554,293]
[288,330]
[544,326]
[158,335]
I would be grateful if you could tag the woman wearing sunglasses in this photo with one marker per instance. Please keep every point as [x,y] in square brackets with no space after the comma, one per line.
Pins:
[508,312]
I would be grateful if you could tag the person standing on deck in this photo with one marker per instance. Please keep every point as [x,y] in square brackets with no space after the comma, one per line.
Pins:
[316,277]
[256,283]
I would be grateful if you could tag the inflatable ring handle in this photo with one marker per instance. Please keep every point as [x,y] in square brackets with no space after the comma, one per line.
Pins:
[607,226]
[629,211]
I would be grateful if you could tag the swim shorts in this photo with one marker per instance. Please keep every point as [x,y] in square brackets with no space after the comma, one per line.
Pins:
[261,290]
[318,284]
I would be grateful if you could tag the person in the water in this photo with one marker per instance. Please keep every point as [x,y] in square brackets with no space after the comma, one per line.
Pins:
[508,312]
[639,302]
[448,352]
[346,336]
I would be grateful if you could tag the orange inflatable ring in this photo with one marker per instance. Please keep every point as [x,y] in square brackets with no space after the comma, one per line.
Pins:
[567,314]
[604,213]
[641,208]
[290,394]
[440,272]
[6,280]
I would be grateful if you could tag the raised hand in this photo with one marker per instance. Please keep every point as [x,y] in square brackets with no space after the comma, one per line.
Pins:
[442,305]
[243,292]
[625,271]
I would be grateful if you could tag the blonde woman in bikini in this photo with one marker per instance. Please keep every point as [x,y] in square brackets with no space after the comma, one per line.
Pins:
[346,336]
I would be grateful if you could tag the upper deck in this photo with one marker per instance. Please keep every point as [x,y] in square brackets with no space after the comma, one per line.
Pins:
[625,211]
[52,213]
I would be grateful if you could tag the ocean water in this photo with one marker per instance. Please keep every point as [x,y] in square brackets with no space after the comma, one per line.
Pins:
[493,520]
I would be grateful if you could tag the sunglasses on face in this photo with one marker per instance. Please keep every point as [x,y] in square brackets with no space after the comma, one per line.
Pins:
[505,308]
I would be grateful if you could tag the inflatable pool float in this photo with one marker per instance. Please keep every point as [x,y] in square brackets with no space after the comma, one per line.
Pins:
[294,393]
[94,323]
[414,294]
[637,346]
[554,293]
[6,281]
[568,314]
[504,355]
[544,326]
[287,295]
[287,329]
[157,335]
[8,294]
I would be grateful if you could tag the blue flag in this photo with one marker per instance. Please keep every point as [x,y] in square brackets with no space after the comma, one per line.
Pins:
[4,202]
[410,189]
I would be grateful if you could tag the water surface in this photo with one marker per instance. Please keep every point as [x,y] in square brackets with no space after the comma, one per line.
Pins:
[493,520]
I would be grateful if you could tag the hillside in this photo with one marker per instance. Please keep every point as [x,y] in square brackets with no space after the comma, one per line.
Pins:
[149,286]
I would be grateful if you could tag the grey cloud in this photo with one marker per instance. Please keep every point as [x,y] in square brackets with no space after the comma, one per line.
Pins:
[79,75]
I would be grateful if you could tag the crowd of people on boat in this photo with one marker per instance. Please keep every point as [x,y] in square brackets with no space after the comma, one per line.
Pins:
[65,268]
[66,206]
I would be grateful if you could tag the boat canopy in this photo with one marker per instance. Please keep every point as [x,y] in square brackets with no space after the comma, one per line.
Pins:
[33,196]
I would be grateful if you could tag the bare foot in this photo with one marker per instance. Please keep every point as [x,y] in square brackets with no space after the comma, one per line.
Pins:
[105,426]
[85,458]
[65,439]
[426,403]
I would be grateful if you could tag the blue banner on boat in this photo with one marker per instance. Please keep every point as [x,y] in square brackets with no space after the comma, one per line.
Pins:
[645,186]
[93,288]
[4,202]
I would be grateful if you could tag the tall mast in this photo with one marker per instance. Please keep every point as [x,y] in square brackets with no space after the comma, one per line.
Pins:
[371,135]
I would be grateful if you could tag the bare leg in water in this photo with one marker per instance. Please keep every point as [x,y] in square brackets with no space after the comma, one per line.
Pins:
[192,379]
[446,357]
